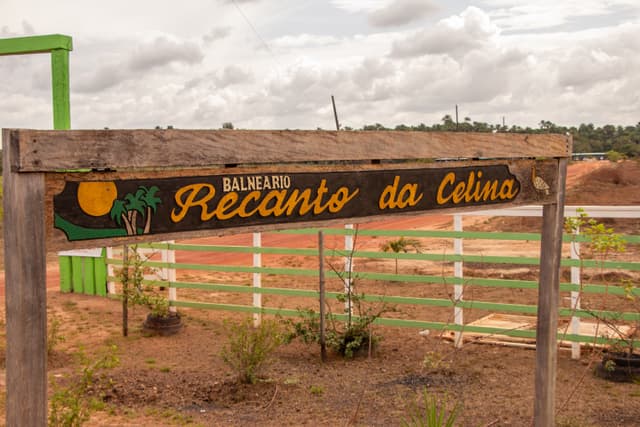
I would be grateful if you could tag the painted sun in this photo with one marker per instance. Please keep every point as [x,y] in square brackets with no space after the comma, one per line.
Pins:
[96,198]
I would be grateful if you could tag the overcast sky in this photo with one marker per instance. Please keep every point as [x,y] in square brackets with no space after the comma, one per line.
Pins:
[274,64]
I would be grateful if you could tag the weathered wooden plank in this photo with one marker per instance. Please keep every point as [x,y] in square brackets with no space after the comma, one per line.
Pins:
[26,309]
[87,207]
[548,302]
[47,151]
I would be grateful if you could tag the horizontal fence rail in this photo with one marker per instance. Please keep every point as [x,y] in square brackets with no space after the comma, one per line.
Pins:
[575,312]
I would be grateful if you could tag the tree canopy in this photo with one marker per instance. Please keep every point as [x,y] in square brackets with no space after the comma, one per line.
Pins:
[587,138]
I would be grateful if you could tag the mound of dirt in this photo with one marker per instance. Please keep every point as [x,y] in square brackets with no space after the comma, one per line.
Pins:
[608,184]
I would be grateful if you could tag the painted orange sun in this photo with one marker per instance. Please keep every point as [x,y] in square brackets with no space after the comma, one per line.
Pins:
[96,198]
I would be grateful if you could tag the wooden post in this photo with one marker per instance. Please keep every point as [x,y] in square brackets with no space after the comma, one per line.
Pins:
[323,346]
[548,296]
[125,290]
[26,294]
[348,269]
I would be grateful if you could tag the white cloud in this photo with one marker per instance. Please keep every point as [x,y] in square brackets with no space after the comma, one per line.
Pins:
[401,12]
[202,65]
[217,33]
[354,6]
[515,15]
[454,36]
[303,41]
[162,51]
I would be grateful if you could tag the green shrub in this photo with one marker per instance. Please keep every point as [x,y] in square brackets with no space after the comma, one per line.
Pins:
[71,406]
[250,347]
[431,414]
[345,338]
[614,156]
[54,335]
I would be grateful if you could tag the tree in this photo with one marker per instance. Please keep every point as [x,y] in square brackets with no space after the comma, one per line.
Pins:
[401,245]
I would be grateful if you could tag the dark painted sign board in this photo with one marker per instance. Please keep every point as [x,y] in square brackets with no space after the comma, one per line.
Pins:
[117,208]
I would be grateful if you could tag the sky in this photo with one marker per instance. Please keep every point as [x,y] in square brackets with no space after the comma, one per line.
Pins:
[274,64]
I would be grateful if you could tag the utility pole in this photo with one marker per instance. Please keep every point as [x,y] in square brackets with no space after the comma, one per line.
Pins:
[335,113]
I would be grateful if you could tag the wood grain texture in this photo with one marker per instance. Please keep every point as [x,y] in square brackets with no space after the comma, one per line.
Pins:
[49,151]
[26,310]
[548,303]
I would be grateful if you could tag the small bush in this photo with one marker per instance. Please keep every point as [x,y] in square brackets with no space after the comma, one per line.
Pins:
[250,347]
[346,339]
[71,406]
[54,335]
[614,156]
[431,414]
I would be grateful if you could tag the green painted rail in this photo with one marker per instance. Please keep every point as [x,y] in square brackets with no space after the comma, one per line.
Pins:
[483,259]
[434,302]
[445,234]
[592,288]
[405,323]
[389,277]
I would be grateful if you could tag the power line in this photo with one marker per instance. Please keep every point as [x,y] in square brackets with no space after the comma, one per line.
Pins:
[264,43]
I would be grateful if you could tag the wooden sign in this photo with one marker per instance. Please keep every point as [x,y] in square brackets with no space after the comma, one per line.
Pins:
[142,183]
[99,209]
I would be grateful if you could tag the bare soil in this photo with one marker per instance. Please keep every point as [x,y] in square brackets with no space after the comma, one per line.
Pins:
[182,380]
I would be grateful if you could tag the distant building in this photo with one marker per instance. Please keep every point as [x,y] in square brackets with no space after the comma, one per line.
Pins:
[588,156]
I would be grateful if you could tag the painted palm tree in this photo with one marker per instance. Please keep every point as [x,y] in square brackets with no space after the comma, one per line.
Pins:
[134,206]
[144,202]
[151,203]
[119,214]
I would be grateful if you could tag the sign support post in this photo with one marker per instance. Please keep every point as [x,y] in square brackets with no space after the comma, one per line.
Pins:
[548,304]
[25,295]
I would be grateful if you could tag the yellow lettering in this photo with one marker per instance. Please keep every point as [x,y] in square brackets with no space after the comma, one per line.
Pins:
[297,197]
[387,198]
[449,179]
[225,203]
[507,190]
[341,198]
[278,199]
[186,199]
[242,209]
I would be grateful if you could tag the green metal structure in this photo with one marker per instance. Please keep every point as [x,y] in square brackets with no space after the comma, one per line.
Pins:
[77,274]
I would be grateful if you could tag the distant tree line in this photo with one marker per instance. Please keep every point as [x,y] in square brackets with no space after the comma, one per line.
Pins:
[587,138]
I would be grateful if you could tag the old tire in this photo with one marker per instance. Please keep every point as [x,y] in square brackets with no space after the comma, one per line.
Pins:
[162,325]
[619,367]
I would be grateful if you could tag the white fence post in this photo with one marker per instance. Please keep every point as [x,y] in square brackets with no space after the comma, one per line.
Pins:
[458,289]
[575,295]
[111,286]
[348,267]
[257,278]
[169,274]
